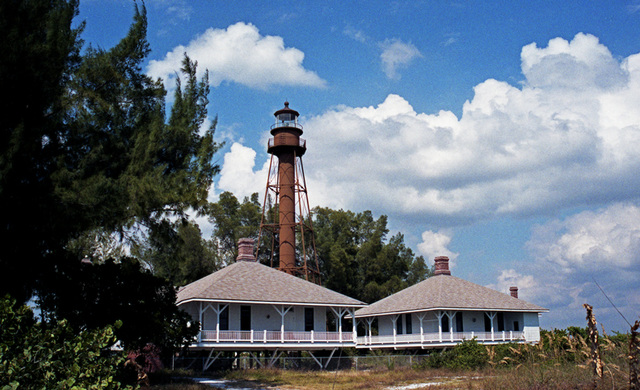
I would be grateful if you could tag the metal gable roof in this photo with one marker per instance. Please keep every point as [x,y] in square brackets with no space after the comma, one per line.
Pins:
[247,281]
[446,292]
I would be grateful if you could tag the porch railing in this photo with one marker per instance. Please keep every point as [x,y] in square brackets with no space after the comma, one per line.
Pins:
[268,336]
[444,337]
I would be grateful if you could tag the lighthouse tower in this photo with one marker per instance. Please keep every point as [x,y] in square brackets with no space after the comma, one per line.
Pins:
[285,213]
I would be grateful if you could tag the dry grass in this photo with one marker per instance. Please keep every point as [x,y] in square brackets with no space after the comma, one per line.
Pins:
[180,386]
[536,377]
[523,377]
[350,379]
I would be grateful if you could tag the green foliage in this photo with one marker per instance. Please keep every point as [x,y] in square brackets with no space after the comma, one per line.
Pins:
[87,152]
[177,252]
[357,260]
[232,221]
[575,331]
[98,245]
[54,356]
[95,296]
[85,142]
[468,355]
[39,53]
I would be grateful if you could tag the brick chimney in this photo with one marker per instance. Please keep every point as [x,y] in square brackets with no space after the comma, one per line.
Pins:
[442,266]
[245,250]
[514,291]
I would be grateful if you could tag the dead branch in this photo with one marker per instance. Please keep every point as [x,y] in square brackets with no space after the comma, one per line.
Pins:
[596,361]
[634,348]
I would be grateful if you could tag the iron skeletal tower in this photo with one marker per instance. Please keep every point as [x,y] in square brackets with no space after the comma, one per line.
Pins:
[291,232]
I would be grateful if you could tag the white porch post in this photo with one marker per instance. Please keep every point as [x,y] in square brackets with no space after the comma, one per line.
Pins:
[200,321]
[282,325]
[369,323]
[491,315]
[451,315]
[339,314]
[421,318]
[282,311]
[440,314]
[354,328]
[217,310]
[394,319]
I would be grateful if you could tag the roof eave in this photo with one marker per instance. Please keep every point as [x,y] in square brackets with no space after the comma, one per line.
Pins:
[325,304]
[542,310]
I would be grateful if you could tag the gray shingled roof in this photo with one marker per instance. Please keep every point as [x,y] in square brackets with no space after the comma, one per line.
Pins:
[448,293]
[253,282]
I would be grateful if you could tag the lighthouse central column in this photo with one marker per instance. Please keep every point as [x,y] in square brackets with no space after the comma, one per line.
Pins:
[287,212]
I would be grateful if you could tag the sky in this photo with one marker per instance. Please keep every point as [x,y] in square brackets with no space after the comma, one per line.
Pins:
[503,134]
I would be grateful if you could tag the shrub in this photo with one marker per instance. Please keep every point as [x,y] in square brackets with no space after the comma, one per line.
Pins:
[54,356]
[468,355]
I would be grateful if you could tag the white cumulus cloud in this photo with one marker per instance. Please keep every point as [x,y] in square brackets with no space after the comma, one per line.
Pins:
[397,54]
[606,240]
[436,244]
[237,173]
[239,54]
[528,288]
[583,63]
[536,148]
[575,255]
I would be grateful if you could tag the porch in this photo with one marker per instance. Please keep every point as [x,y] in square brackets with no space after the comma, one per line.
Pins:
[231,326]
[437,339]
[260,340]
[272,343]
[267,339]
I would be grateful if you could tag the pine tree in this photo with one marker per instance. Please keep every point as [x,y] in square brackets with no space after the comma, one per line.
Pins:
[232,221]
[358,260]
[85,144]
[177,252]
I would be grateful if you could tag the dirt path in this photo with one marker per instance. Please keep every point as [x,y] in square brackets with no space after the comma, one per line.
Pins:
[231,385]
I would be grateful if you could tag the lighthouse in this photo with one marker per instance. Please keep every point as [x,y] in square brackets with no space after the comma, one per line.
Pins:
[289,225]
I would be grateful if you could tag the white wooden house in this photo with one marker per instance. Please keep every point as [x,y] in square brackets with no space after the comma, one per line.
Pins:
[444,310]
[248,306]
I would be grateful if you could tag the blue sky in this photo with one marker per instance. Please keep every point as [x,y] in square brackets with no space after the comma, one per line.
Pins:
[502,134]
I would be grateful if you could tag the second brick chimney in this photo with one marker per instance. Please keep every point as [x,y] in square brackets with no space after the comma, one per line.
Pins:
[442,266]
[514,291]
[245,250]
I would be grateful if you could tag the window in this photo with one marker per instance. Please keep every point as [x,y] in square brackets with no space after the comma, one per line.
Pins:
[408,326]
[516,326]
[399,325]
[308,319]
[444,323]
[459,327]
[245,317]
[224,319]
[331,322]
[500,322]
[285,117]
[487,323]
